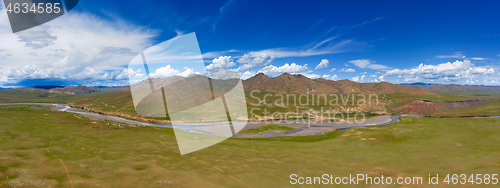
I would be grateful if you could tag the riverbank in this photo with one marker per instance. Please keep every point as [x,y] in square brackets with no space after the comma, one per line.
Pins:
[125,116]
[301,128]
[318,128]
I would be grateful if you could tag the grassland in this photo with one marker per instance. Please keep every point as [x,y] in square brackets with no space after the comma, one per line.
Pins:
[57,149]
[119,102]
[399,100]
[272,127]
[29,95]
[478,93]
[492,108]
[439,97]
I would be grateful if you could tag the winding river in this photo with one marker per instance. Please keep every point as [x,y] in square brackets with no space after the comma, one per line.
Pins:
[303,129]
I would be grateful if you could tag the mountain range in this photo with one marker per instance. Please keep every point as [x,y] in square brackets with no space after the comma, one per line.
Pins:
[72,90]
[452,88]
[297,83]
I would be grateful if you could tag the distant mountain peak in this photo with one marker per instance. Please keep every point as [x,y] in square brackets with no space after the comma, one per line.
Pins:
[450,87]
[261,74]
[48,86]
[416,84]
[74,90]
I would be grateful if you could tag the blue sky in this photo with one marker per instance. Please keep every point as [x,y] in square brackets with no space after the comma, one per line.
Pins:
[365,41]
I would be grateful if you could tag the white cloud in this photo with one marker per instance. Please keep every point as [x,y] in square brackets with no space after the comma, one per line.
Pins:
[479,58]
[327,46]
[324,41]
[4,20]
[459,55]
[289,68]
[378,67]
[211,55]
[187,72]
[361,63]
[247,75]
[223,62]
[249,62]
[89,74]
[334,77]
[347,70]
[282,53]
[364,73]
[224,74]
[445,71]
[322,64]
[124,74]
[412,79]
[381,78]
[330,77]
[166,71]
[455,55]
[373,75]
[135,76]
[332,70]
[311,76]
[366,63]
[74,44]
[358,78]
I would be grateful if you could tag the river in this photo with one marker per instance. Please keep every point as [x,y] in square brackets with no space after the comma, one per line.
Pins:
[302,128]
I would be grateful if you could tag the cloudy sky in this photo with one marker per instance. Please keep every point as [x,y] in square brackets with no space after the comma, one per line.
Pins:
[364,41]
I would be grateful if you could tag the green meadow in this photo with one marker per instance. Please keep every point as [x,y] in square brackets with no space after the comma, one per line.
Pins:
[41,148]
[492,108]
[272,127]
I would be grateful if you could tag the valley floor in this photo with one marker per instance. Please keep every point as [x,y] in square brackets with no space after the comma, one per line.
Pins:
[43,148]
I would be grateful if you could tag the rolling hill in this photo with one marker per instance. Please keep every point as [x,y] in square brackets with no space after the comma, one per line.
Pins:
[297,83]
[455,88]
[73,90]
[54,94]
[432,107]
[118,100]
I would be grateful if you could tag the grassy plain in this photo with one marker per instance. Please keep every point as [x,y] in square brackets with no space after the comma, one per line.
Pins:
[492,108]
[272,127]
[39,147]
